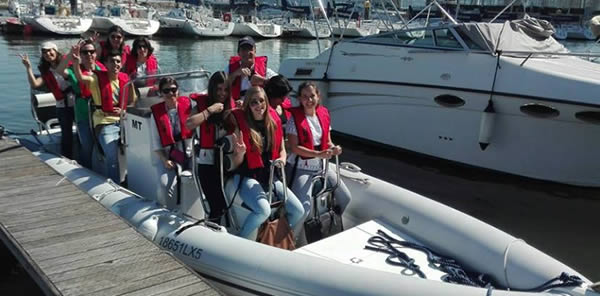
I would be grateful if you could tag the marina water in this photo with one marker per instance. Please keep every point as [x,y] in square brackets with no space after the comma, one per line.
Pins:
[558,219]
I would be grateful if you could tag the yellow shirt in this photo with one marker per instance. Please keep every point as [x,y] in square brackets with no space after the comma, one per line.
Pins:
[99,116]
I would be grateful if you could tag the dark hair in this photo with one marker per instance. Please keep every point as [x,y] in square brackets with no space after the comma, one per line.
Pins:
[88,41]
[277,87]
[115,29]
[306,84]
[44,66]
[167,81]
[139,42]
[217,78]
[113,53]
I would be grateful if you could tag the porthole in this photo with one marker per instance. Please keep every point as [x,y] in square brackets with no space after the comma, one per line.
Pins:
[589,116]
[449,101]
[539,110]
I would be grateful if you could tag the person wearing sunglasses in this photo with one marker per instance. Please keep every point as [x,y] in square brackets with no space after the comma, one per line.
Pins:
[246,69]
[174,145]
[213,122]
[141,61]
[259,141]
[52,67]
[309,139]
[110,100]
[89,63]
[114,41]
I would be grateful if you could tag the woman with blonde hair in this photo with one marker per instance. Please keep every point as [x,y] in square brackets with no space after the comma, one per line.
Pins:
[259,141]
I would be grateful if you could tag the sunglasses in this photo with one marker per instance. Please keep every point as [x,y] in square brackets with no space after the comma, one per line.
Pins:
[87,52]
[257,102]
[172,90]
[143,46]
[46,50]
[116,37]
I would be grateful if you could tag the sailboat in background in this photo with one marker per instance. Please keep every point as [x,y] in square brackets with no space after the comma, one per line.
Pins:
[247,22]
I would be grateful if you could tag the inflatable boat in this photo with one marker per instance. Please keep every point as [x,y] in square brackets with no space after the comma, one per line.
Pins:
[393,242]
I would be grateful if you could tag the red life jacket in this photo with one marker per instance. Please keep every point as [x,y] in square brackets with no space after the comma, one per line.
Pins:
[131,65]
[260,68]
[52,84]
[252,154]
[286,105]
[85,91]
[163,123]
[106,90]
[106,49]
[305,138]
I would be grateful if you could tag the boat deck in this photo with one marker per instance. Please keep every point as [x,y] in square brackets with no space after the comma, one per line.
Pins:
[71,245]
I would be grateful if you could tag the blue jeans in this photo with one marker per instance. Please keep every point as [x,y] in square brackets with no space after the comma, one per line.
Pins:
[86,143]
[66,115]
[254,196]
[109,141]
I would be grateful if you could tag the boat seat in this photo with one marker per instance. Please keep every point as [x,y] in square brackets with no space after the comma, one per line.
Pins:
[348,247]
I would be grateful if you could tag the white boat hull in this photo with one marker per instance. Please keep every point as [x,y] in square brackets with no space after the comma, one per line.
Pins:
[59,25]
[242,267]
[353,30]
[306,30]
[215,28]
[264,30]
[396,105]
[135,27]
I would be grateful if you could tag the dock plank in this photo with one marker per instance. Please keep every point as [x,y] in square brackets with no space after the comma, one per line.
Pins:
[71,245]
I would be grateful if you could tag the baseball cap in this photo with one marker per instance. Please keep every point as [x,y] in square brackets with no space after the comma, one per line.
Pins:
[49,45]
[247,40]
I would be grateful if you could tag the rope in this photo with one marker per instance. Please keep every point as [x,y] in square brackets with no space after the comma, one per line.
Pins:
[454,272]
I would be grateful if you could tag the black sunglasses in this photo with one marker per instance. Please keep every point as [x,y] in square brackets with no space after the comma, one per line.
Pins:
[89,51]
[143,46]
[256,102]
[172,90]
[46,50]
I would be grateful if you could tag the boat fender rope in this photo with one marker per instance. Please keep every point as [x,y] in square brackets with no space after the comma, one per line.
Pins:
[184,228]
[101,196]
[564,280]
[506,250]
[490,288]
[382,242]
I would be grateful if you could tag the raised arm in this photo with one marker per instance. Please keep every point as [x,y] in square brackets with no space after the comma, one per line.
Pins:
[77,61]
[34,82]
[197,119]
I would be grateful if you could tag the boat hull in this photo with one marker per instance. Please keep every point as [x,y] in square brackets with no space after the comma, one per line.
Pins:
[242,267]
[409,109]
[60,25]
[214,29]
[135,27]
[257,30]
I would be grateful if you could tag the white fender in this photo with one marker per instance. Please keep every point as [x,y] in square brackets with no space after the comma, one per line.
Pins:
[486,125]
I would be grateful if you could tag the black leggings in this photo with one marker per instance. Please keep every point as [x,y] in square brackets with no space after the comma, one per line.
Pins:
[66,116]
[211,186]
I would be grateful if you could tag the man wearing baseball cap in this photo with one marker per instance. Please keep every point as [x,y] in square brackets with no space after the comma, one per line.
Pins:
[246,69]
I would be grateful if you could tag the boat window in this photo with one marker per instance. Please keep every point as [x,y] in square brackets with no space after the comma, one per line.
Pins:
[449,101]
[589,116]
[539,110]
[445,38]
[412,37]
[115,11]
[470,43]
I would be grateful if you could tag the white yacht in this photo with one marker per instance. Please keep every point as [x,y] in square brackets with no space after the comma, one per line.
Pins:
[503,96]
[305,29]
[135,20]
[208,27]
[254,27]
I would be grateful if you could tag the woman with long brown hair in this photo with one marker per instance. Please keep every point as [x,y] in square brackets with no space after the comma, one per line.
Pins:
[258,142]
[213,110]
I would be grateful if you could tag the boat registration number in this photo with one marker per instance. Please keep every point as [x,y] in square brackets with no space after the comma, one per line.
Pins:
[180,247]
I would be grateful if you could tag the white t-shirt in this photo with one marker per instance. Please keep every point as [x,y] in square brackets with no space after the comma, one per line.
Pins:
[312,164]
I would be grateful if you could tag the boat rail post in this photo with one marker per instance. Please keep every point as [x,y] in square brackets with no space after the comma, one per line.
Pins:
[444,12]
[314,21]
[324,12]
[502,11]
[229,216]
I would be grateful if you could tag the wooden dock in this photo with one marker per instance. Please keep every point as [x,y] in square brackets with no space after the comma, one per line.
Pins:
[71,245]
